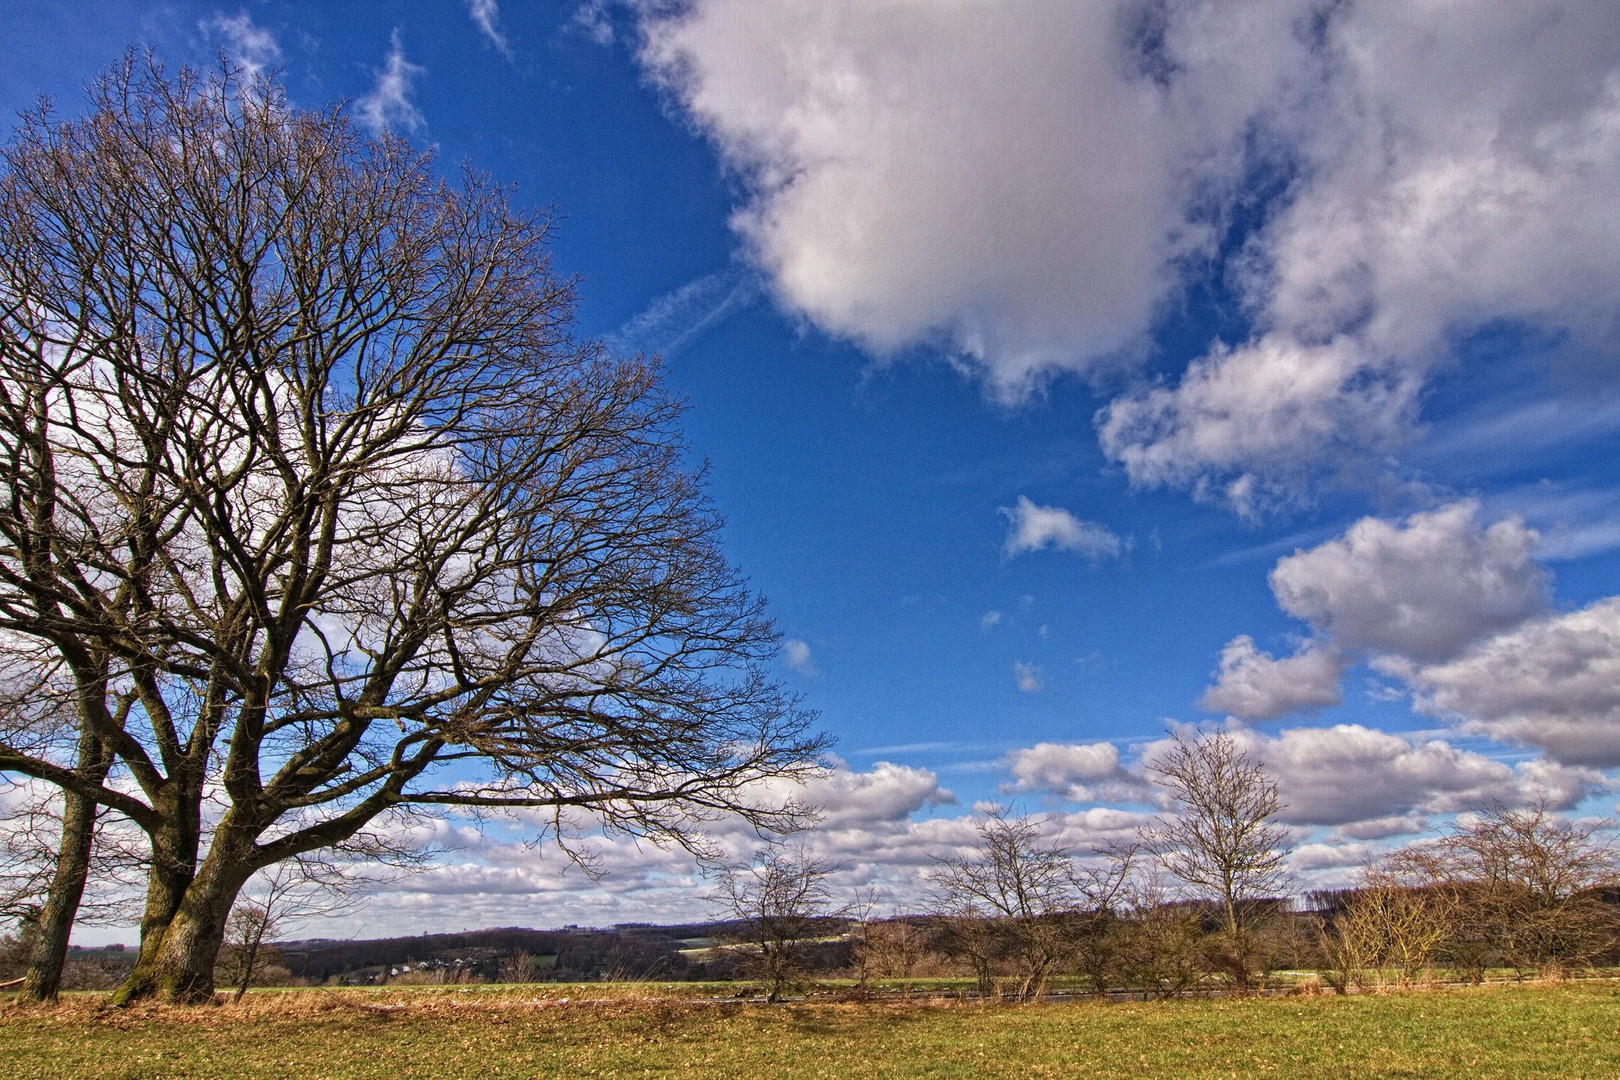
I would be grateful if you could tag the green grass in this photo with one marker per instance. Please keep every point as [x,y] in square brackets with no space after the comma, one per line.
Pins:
[1568,1030]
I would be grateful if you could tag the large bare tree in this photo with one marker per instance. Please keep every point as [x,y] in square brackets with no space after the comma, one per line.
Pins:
[320,509]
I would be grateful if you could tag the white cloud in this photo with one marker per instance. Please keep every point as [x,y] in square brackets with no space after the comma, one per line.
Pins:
[1459,165]
[1423,588]
[1078,772]
[1255,685]
[249,46]
[1553,682]
[1031,183]
[487,15]
[1250,426]
[1034,528]
[388,107]
[886,794]
[1362,780]
[592,18]
[867,826]
[796,654]
[1028,677]
[990,620]
[1008,179]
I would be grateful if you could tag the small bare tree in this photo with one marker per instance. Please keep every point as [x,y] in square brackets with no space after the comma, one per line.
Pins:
[1105,884]
[1222,842]
[273,903]
[778,903]
[1014,895]
[890,949]
[516,967]
[1392,922]
[1159,943]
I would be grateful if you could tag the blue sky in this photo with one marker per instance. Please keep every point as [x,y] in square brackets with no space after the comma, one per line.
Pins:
[1065,371]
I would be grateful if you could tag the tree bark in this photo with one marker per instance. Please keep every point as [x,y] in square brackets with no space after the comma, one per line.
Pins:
[179,965]
[43,982]
[173,872]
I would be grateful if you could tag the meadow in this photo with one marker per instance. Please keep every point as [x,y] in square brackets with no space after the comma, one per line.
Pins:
[1561,1030]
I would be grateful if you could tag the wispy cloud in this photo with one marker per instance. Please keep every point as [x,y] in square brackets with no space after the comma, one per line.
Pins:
[592,17]
[676,319]
[388,107]
[1036,527]
[796,654]
[487,14]
[1028,677]
[250,47]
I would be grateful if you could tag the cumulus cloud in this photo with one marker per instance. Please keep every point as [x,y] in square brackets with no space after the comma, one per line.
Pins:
[1407,593]
[389,107]
[1034,528]
[1423,588]
[1028,677]
[1255,685]
[1251,426]
[1031,184]
[796,654]
[887,793]
[1553,683]
[1460,165]
[1078,772]
[1015,180]
[1364,781]
[1458,611]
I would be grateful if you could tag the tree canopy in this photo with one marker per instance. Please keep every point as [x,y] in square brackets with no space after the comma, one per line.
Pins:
[319,507]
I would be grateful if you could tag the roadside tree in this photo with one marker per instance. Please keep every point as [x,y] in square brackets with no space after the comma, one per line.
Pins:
[1014,896]
[316,505]
[778,904]
[1522,888]
[1222,841]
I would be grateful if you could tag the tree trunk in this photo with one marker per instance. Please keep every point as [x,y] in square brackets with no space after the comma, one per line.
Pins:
[168,882]
[44,978]
[180,968]
[43,981]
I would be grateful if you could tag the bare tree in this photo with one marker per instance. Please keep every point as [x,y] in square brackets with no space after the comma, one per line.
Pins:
[891,948]
[51,847]
[778,904]
[1015,894]
[1521,887]
[307,468]
[1159,942]
[1105,886]
[1222,842]
[273,902]
[517,967]
[1392,921]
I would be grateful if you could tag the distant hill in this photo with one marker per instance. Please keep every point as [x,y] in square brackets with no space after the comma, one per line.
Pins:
[569,954]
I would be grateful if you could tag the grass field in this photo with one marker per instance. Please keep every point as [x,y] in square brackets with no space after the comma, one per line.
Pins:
[1570,1030]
